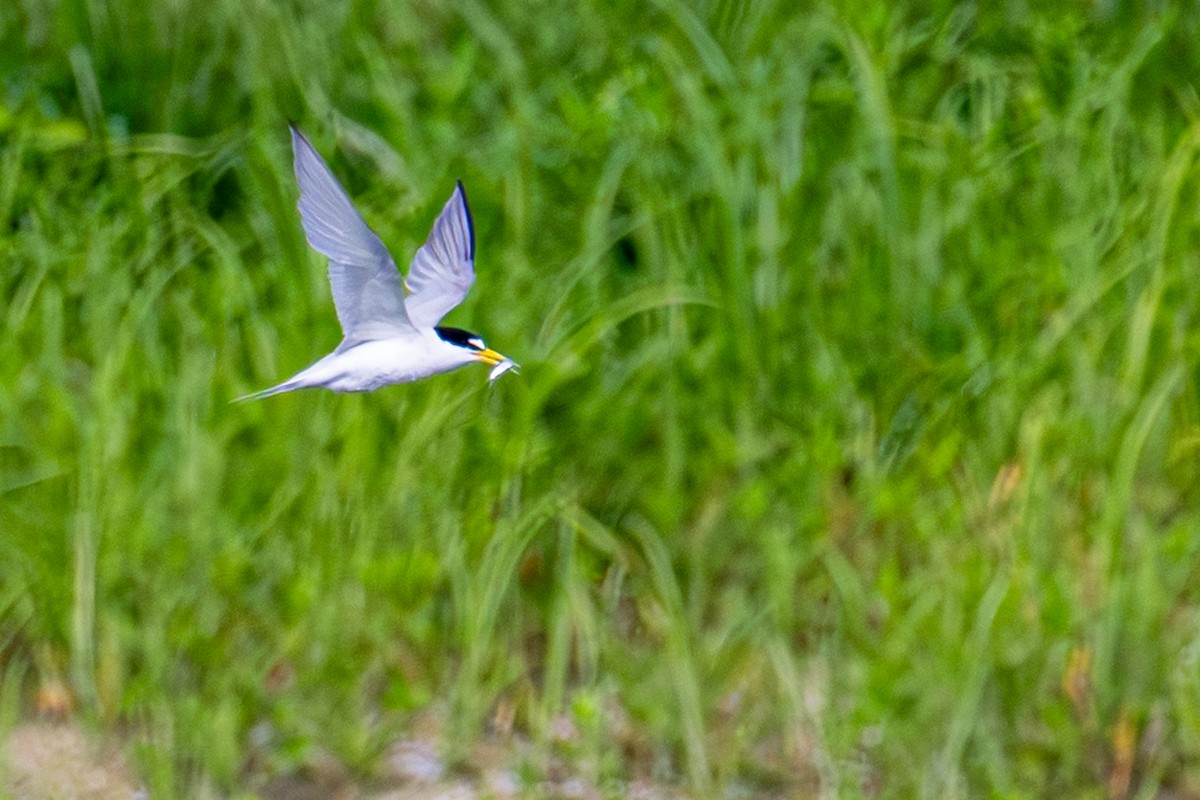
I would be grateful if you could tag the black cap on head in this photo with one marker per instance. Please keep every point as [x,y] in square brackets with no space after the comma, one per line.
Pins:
[461,338]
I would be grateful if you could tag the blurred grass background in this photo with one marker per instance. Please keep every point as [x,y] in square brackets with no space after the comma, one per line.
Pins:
[854,454]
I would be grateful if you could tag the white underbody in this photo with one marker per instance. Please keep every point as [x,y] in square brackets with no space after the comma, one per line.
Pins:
[365,366]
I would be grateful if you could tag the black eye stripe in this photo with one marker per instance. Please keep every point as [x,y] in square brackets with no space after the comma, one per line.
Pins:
[457,336]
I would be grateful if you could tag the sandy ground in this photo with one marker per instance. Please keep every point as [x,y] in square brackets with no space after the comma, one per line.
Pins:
[59,761]
[45,761]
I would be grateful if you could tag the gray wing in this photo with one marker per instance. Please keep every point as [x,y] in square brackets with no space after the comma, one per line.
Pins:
[366,286]
[443,269]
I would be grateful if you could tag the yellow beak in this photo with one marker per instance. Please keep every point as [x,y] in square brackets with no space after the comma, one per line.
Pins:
[490,357]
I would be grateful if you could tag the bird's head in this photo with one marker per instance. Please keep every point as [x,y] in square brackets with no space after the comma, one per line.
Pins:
[471,342]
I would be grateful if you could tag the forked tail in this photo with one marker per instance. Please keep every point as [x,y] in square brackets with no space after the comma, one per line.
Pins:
[286,386]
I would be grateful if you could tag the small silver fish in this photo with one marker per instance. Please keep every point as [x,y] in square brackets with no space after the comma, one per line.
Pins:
[503,367]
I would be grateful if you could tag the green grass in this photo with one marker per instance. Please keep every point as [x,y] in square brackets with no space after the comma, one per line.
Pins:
[860,395]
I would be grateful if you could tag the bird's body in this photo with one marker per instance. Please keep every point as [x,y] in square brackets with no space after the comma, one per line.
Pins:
[367,366]
[389,337]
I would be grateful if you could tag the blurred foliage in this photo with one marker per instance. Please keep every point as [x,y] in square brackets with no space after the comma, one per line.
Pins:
[855,450]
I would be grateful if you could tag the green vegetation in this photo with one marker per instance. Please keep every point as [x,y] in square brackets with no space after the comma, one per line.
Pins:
[856,450]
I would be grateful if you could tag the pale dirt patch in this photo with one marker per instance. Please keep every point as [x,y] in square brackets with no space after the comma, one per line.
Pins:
[56,761]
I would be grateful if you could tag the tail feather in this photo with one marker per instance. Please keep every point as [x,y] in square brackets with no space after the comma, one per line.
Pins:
[286,386]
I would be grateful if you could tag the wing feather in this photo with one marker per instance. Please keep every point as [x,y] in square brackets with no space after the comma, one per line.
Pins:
[443,269]
[366,285]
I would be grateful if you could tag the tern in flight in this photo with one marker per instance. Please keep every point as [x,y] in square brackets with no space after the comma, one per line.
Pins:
[387,337]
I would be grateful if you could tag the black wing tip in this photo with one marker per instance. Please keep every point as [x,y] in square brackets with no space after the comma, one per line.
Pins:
[302,149]
[297,134]
[462,192]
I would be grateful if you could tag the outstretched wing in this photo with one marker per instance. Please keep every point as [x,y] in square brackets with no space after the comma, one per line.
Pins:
[443,269]
[366,285]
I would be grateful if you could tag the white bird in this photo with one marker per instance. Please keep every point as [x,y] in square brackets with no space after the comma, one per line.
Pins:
[387,338]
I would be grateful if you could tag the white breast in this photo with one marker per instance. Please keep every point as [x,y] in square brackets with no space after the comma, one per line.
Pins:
[371,365]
